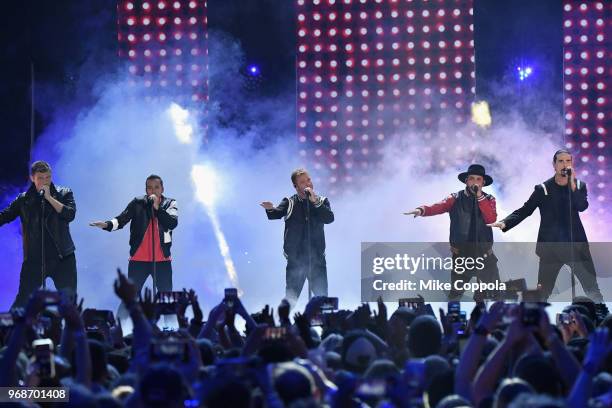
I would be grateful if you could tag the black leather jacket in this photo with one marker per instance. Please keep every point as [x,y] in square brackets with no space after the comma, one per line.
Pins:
[138,211]
[293,210]
[27,207]
[461,218]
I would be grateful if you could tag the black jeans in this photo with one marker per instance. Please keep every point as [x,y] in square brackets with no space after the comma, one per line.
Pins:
[489,274]
[62,271]
[138,272]
[297,273]
[584,270]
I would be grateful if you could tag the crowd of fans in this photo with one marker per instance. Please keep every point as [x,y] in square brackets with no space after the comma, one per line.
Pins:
[504,355]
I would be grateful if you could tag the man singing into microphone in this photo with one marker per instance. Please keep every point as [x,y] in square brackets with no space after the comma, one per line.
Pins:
[305,214]
[470,211]
[48,251]
[153,218]
[552,197]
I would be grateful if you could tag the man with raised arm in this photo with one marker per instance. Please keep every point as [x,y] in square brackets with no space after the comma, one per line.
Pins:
[470,211]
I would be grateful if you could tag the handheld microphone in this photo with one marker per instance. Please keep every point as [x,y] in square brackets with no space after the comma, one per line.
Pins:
[566,172]
[41,193]
[475,189]
[307,192]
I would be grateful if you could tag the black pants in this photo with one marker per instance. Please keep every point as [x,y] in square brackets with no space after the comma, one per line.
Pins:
[62,271]
[297,273]
[489,274]
[583,269]
[138,272]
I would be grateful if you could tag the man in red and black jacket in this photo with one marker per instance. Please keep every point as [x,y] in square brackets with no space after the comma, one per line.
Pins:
[470,211]
[153,218]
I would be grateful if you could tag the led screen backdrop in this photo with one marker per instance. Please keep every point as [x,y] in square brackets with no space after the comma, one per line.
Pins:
[586,87]
[165,44]
[370,71]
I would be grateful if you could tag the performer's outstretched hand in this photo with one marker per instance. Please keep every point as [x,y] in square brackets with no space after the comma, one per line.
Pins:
[267,205]
[99,224]
[497,224]
[417,212]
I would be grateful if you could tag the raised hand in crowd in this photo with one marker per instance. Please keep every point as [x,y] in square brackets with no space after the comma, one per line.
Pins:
[515,340]
[242,312]
[195,324]
[600,347]
[360,318]
[566,364]
[182,304]
[214,316]
[75,329]
[265,316]
[302,323]
[23,322]
[470,356]
[125,289]
[116,335]
[142,329]
[190,366]
[380,319]
[313,307]
[572,326]
[235,340]
[148,305]
[283,313]
[450,329]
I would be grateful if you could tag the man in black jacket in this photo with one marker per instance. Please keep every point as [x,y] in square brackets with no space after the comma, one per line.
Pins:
[561,237]
[305,214]
[51,208]
[153,217]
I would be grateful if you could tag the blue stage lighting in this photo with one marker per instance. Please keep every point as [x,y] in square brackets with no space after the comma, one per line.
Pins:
[524,72]
[253,70]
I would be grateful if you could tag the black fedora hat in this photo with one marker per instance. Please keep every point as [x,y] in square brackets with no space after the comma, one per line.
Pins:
[478,170]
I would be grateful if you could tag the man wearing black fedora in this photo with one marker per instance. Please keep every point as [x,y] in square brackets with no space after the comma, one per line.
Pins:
[470,210]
